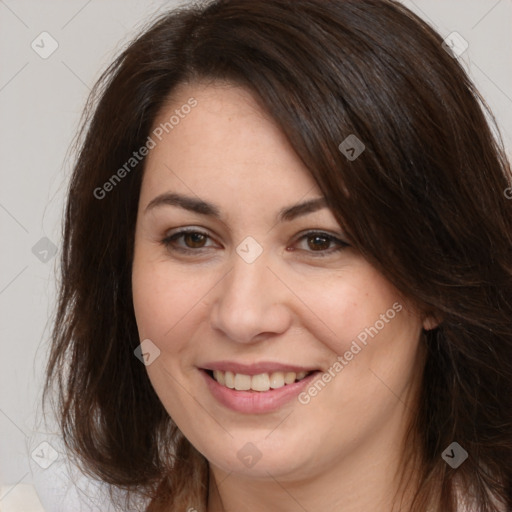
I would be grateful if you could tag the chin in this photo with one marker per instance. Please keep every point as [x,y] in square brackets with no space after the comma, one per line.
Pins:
[258,463]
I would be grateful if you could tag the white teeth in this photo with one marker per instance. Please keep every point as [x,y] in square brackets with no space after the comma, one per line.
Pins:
[242,382]
[289,377]
[277,380]
[229,379]
[260,382]
[219,377]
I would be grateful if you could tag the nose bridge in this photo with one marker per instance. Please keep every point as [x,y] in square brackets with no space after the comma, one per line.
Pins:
[250,301]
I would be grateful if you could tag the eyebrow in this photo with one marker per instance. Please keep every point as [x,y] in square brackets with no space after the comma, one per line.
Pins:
[201,207]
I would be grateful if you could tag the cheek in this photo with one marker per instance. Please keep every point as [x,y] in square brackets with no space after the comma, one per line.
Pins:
[373,335]
[163,297]
[349,305]
[166,304]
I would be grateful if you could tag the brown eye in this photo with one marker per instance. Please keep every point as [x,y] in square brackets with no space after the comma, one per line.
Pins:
[318,242]
[187,240]
[194,240]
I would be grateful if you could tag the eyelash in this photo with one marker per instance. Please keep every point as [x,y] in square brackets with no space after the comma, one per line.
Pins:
[168,242]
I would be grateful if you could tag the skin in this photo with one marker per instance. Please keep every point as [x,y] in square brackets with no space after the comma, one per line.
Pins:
[342,449]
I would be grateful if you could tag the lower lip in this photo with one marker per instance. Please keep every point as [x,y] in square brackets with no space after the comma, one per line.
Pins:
[256,402]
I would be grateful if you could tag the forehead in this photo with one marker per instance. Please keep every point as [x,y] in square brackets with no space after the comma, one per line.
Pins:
[225,142]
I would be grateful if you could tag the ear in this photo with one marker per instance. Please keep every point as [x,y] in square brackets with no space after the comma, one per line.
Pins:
[430,321]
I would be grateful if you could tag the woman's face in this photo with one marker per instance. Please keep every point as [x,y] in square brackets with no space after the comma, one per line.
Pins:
[263,286]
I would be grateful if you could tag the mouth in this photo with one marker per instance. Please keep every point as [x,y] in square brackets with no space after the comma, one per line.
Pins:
[259,383]
[258,393]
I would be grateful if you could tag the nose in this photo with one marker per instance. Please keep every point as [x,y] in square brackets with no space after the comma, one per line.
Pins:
[251,303]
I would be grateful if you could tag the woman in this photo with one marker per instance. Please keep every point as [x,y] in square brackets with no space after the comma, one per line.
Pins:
[286,275]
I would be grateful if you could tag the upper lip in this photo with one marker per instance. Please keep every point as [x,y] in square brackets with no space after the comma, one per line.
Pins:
[255,368]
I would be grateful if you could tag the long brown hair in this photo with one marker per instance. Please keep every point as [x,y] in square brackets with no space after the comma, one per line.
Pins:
[425,203]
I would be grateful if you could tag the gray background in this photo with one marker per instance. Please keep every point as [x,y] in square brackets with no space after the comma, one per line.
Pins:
[40,105]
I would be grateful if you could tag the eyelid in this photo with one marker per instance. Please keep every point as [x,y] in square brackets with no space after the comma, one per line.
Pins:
[187,229]
[336,236]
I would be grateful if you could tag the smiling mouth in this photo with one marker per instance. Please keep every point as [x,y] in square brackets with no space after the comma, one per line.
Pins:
[258,383]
